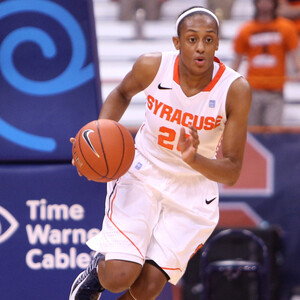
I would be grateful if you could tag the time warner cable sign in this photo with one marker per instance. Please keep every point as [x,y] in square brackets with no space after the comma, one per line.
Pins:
[49,76]
[47,213]
[42,231]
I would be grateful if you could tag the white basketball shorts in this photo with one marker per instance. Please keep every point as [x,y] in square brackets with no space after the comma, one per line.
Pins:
[150,214]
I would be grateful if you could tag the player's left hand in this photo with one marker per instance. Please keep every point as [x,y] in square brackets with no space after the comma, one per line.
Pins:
[188,144]
[72,140]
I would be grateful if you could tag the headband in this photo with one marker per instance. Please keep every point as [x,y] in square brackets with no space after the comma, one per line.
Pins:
[196,9]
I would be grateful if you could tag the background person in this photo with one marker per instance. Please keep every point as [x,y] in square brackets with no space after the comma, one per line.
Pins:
[266,41]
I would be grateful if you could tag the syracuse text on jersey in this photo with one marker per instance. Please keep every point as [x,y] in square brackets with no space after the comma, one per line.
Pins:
[185,119]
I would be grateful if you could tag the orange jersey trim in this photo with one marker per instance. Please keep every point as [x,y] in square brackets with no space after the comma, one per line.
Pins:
[197,249]
[176,70]
[217,77]
[211,85]
[172,269]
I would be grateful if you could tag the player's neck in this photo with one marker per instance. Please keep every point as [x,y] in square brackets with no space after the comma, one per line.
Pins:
[193,84]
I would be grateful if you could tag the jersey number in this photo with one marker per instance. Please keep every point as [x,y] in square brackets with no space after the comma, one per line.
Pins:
[167,138]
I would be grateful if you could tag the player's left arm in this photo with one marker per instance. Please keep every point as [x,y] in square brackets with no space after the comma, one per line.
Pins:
[227,169]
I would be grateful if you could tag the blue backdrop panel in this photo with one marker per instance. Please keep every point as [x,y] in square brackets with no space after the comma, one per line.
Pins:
[49,76]
[47,212]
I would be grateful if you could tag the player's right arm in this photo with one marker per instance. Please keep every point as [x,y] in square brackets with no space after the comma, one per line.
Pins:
[140,76]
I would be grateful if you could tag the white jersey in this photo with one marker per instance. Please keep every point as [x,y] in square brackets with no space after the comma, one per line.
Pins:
[167,216]
[168,109]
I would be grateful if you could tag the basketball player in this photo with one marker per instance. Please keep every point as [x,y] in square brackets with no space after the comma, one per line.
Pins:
[166,206]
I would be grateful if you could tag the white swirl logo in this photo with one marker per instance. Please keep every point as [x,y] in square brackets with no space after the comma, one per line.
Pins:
[13,225]
[74,75]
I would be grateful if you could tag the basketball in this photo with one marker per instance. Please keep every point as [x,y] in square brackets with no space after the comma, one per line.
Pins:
[103,150]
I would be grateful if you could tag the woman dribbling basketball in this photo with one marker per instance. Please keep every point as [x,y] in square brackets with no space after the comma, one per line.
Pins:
[166,206]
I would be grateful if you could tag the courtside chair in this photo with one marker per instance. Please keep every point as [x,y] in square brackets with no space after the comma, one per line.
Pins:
[251,262]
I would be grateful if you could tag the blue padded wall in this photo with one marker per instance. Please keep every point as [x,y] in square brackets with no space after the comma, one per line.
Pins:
[46,214]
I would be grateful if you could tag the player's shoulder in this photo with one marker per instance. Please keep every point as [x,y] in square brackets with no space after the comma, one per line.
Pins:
[146,67]
[239,84]
[239,96]
[149,60]
[154,59]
